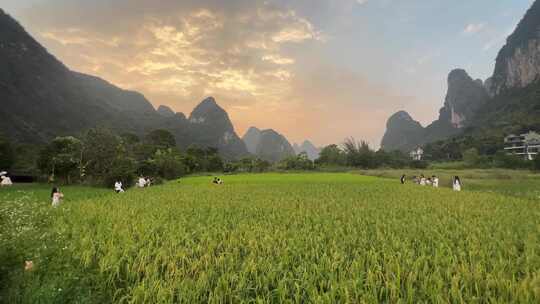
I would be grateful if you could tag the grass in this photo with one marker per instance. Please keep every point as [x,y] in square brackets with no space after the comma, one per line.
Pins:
[272,238]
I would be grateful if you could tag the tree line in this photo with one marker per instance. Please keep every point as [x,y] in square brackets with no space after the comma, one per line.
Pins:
[101,157]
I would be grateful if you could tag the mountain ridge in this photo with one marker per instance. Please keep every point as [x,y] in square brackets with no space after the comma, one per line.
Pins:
[42,99]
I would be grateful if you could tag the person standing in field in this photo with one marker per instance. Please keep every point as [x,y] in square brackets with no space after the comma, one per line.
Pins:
[435,182]
[457,184]
[56,197]
[118,187]
[403,179]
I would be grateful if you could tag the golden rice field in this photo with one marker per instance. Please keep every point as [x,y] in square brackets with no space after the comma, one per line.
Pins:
[270,238]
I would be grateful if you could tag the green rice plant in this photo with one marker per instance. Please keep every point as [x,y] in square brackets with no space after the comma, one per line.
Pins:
[289,238]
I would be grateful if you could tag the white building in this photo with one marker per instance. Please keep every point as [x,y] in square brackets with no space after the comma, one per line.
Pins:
[417,153]
[525,145]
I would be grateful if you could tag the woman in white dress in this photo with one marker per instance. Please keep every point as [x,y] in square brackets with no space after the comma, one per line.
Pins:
[141,183]
[435,182]
[422,180]
[56,197]
[457,184]
[6,181]
[118,187]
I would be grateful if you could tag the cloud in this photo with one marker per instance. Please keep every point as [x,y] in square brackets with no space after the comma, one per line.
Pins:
[474,28]
[258,58]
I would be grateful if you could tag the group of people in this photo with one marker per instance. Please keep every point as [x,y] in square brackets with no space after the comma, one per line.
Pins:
[432,181]
[142,182]
[5,179]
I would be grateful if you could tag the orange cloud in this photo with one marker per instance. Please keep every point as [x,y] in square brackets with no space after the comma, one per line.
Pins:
[178,53]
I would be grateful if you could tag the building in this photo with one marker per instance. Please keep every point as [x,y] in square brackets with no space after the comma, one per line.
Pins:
[525,145]
[417,153]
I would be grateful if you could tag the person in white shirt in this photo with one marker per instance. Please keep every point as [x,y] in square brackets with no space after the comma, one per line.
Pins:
[118,187]
[422,180]
[457,184]
[6,181]
[142,182]
[435,182]
[56,197]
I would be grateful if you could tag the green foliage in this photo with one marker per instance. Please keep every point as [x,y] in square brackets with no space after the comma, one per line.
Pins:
[61,160]
[298,162]
[502,160]
[7,155]
[169,164]
[203,159]
[102,158]
[332,155]
[102,149]
[419,164]
[360,155]
[161,139]
[130,139]
[536,164]
[122,169]
[471,157]
[248,164]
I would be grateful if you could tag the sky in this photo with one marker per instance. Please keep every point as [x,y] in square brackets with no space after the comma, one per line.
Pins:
[322,70]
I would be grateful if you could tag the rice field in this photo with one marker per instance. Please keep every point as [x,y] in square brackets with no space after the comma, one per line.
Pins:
[270,238]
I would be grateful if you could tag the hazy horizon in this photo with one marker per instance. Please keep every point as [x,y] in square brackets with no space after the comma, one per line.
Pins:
[310,69]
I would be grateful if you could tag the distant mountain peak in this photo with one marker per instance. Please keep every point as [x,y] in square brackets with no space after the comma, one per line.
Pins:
[209,102]
[309,148]
[267,144]
[32,82]
[518,62]
[252,139]
[463,98]
[165,111]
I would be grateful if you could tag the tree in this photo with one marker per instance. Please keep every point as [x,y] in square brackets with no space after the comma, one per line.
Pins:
[101,149]
[471,157]
[536,163]
[260,165]
[122,169]
[358,154]
[331,155]
[161,139]
[169,164]
[297,162]
[130,139]
[61,158]
[7,155]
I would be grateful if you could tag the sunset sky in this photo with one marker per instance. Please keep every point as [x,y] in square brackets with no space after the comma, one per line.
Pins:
[311,69]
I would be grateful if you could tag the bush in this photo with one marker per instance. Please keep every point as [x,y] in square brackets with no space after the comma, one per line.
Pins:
[502,160]
[419,164]
[7,155]
[169,164]
[536,163]
[122,169]
[298,162]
